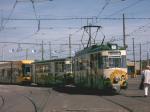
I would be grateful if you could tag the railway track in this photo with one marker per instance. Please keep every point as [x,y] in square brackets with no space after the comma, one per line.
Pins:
[117,103]
[144,100]
[3,101]
[131,104]
[38,107]
[33,103]
[122,108]
[36,104]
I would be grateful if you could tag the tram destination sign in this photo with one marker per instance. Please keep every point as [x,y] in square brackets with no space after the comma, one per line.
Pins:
[114,53]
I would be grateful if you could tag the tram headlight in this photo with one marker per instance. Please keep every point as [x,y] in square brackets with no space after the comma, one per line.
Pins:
[116,79]
[123,77]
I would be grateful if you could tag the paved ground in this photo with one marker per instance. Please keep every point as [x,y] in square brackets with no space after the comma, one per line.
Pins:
[14,98]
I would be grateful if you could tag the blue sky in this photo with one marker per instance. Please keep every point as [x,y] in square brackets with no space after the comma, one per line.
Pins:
[57,32]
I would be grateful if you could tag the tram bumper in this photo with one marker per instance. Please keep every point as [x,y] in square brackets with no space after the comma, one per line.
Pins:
[124,85]
[116,88]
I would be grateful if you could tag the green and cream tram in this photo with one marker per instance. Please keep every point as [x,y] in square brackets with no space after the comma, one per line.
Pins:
[101,66]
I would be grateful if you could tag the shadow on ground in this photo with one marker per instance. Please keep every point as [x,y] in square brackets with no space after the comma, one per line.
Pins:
[83,91]
[71,89]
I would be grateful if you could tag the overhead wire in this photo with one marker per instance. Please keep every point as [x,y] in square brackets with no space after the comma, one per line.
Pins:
[34,10]
[33,0]
[103,8]
[39,20]
[129,6]
[36,16]
[139,28]
[76,18]
[11,12]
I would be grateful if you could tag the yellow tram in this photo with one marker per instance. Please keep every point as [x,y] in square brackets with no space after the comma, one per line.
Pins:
[16,72]
[26,75]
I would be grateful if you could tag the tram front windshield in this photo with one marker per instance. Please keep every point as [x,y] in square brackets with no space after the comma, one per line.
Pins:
[26,69]
[112,62]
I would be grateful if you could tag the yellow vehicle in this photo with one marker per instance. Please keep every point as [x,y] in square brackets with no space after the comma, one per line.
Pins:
[16,72]
[26,73]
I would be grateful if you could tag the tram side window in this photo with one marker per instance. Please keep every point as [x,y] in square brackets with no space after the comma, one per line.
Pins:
[46,68]
[105,62]
[100,62]
[49,67]
[3,72]
[123,64]
[94,61]
[59,67]
[56,67]
[81,66]
[62,67]
[67,67]
[77,65]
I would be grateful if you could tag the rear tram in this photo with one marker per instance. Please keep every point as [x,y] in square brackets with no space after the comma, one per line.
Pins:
[101,67]
[52,72]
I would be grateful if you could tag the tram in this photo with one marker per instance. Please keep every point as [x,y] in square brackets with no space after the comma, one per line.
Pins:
[52,72]
[16,72]
[26,72]
[101,67]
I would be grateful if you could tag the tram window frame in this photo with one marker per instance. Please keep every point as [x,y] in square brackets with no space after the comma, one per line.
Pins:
[59,66]
[114,60]
[105,62]
[94,61]
[24,68]
[100,61]
[38,68]
[45,68]
[77,64]
[62,66]
[123,61]
[67,67]
[50,67]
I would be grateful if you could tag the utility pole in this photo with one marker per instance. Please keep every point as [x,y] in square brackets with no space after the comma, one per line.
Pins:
[140,58]
[124,35]
[79,46]
[70,55]
[133,54]
[26,53]
[50,51]
[1,24]
[3,52]
[147,58]
[11,71]
[42,50]
[70,46]
[148,53]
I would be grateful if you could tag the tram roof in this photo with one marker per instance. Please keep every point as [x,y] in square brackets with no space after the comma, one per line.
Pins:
[98,48]
[53,60]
